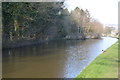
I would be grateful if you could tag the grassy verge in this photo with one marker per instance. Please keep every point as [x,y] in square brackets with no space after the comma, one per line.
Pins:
[104,66]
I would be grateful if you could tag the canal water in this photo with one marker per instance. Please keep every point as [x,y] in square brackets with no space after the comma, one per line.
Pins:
[55,59]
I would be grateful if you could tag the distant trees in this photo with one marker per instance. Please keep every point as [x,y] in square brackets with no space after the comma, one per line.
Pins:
[110,31]
[78,24]
[96,29]
[46,21]
[107,30]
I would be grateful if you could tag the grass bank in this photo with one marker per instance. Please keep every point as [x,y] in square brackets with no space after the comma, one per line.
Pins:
[104,66]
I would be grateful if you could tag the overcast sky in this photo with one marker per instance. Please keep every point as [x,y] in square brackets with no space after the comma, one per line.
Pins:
[106,11]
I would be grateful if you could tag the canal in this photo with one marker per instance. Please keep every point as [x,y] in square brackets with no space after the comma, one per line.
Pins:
[55,59]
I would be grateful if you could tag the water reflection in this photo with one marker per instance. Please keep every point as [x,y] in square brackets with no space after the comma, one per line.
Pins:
[55,59]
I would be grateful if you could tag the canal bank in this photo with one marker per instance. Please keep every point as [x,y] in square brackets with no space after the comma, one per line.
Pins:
[103,66]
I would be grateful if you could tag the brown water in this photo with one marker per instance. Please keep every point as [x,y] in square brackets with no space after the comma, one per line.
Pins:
[57,59]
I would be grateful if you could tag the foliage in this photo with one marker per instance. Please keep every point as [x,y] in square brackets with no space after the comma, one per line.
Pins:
[107,30]
[45,21]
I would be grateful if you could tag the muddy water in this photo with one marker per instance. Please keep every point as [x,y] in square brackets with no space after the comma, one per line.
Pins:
[56,59]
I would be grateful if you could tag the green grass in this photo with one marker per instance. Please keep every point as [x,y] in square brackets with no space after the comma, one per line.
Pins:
[104,66]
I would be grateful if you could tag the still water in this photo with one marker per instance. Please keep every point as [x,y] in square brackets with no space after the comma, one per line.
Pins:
[56,59]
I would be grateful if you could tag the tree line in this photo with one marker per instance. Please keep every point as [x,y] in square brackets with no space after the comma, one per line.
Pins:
[46,21]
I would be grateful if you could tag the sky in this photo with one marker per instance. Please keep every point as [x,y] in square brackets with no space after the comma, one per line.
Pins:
[106,11]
